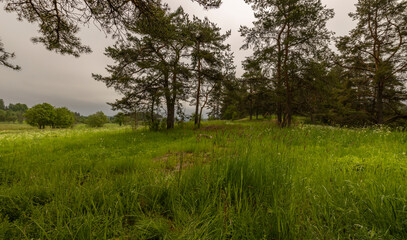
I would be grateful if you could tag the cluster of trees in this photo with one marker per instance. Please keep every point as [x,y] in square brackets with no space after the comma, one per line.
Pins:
[12,112]
[167,62]
[45,115]
[293,70]
[42,115]
[164,59]
[169,50]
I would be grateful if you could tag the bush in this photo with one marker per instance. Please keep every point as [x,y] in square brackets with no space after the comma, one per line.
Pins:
[64,118]
[97,120]
[42,115]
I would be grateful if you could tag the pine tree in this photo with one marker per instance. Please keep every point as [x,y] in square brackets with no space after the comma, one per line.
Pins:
[5,57]
[149,65]
[286,34]
[207,52]
[377,47]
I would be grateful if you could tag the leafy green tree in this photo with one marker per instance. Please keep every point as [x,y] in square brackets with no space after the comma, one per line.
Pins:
[2,105]
[18,107]
[41,115]
[98,119]
[20,116]
[3,115]
[16,112]
[63,118]
[11,116]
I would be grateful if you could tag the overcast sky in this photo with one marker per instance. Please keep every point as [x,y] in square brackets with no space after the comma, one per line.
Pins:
[66,81]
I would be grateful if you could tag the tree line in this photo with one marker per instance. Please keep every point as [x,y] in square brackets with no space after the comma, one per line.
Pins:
[164,59]
[12,112]
[362,83]
[45,115]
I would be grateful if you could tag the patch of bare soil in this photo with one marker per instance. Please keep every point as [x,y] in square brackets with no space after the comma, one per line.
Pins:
[213,128]
[174,162]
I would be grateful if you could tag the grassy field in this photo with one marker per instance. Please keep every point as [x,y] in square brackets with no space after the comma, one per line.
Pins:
[229,180]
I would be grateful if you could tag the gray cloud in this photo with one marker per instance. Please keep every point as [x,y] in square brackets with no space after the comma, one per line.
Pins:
[66,81]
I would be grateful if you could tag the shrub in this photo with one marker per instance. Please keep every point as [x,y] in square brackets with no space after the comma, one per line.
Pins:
[97,120]
[64,118]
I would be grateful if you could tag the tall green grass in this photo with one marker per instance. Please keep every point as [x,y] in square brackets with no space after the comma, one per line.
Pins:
[230,180]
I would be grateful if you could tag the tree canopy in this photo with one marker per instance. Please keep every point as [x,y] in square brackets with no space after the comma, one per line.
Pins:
[42,115]
[286,35]
[164,59]
[156,66]
[376,50]
[59,21]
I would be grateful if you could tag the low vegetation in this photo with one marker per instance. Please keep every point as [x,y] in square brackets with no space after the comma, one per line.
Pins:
[228,180]
[98,119]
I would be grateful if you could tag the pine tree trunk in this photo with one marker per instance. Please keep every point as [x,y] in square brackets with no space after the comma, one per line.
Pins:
[170,115]
[198,90]
[170,99]
[288,107]
[279,114]
[251,111]
[135,120]
[279,77]
[200,118]
[251,102]
[152,111]
[379,103]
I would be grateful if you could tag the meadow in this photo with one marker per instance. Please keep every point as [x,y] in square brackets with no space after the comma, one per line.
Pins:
[229,180]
